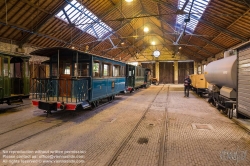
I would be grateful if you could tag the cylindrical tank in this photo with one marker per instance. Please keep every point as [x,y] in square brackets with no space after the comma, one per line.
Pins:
[222,72]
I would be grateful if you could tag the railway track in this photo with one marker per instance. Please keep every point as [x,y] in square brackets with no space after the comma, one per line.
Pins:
[130,135]
[4,108]
[163,135]
[20,127]
[32,135]
[59,120]
[26,131]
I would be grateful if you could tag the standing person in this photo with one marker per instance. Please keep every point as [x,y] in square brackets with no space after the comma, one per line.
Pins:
[187,82]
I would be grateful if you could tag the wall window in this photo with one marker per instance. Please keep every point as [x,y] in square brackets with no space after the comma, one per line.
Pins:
[199,69]
[116,71]
[106,70]
[96,69]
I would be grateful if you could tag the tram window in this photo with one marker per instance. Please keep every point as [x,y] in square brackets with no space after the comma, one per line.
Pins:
[85,69]
[131,72]
[17,70]
[12,70]
[54,69]
[5,70]
[116,71]
[47,71]
[106,70]
[136,71]
[66,68]
[96,69]
[122,71]
[26,69]
[82,69]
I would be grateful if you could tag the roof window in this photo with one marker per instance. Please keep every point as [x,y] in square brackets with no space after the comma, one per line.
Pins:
[197,10]
[76,14]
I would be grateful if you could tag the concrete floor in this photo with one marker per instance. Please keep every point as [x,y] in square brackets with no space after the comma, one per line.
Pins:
[196,133]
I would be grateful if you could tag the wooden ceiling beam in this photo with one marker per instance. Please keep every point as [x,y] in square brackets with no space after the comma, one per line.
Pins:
[42,22]
[36,6]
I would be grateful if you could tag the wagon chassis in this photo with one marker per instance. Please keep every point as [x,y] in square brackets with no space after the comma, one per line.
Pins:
[227,104]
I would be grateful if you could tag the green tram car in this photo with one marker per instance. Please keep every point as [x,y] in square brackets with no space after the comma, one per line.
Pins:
[14,78]
[137,77]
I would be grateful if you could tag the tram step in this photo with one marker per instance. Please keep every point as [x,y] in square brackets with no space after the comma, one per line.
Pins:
[48,106]
[85,104]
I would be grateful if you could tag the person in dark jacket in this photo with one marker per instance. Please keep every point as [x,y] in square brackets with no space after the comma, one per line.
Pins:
[187,82]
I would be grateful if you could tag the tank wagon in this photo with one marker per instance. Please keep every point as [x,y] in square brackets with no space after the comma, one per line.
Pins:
[222,77]
[14,78]
[228,82]
[78,80]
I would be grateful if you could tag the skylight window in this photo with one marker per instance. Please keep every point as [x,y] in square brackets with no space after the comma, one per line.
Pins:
[85,20]
[197,10]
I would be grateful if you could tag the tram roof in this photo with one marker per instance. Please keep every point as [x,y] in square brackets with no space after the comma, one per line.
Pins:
[48,52]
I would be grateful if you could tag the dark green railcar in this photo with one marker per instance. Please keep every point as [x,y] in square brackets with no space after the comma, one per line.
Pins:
[135,77]
[14,78]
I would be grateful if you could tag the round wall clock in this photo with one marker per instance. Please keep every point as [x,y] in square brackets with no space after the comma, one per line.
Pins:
[156,53]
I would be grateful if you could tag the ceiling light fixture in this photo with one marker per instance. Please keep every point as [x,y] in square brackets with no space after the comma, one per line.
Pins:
[128,0]
[146,29]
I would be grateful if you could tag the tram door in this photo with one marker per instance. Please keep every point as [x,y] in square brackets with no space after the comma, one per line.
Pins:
[130,82]
[4,76]
[16,75]
[65,78]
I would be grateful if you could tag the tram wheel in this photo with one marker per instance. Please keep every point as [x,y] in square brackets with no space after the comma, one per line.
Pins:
[216,105]
[230,113]
[226,110]
[110,98]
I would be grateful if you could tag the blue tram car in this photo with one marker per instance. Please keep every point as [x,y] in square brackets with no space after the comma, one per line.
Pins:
[76,80]
[14,78]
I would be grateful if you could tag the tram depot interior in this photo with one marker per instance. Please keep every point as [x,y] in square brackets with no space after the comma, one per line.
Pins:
[187,35]
[172,38]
